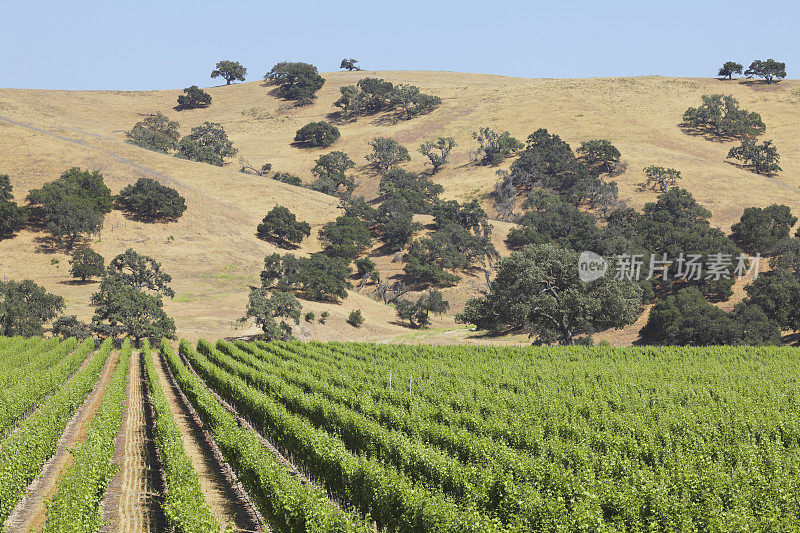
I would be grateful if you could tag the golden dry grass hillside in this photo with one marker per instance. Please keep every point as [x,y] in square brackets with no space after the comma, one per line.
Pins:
[212,251]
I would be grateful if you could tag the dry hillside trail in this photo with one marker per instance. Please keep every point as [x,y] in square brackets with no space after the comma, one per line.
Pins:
[29,515]
[219,492]
[132,502]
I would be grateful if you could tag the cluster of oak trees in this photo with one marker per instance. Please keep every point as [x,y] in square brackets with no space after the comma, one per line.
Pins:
[69,209]
[720,117]
[567,203]
[74,205]
[768,69]
[127,304]
[458,239]
[537,289]
[207,143]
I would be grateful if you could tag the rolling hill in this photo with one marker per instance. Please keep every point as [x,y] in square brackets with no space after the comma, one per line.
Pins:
[212,252]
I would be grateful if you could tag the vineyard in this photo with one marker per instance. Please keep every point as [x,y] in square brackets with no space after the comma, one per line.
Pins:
[345,437]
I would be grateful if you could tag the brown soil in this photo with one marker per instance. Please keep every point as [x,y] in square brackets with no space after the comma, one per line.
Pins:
[225,504]
[132,501]
[29,515]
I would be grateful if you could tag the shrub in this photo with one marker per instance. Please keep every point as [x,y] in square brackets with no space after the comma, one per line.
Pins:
[286,177]
[318,277]
[730,68]
[265,309]
[349,64]
[355,319]
[687,318]
[346,237]
[761,158]
[317,134]
[438,151]
[330,170]
[768,69]
[155,132]
[12,216]
[281,226]
[719,115]
[601,154]
[230,71]
[25,307]
[495,147]
[309,317]
[207,144]
[364,266]
[194,98]
[418,313]
[386,153]
[150,201]
[73,205]
[68,326]
[760,230]
[660,179]
[323,317]
[86,263]
[296,81]
[372,95]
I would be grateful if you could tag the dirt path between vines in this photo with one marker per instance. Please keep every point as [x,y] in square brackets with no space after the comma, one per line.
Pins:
[295,468]
[132,502]
[226,507]
[29,515]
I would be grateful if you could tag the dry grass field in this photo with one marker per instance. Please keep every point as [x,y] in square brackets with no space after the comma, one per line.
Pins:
[212,252]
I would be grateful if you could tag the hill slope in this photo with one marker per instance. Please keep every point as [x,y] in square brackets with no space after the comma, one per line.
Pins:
[212,252]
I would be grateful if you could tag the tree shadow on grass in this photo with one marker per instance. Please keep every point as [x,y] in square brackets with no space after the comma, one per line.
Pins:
[337,118]
[136,217]
[79,282]
[245,338]
[705,134]
[184,107]
[280,243]
[749,168]
[47,244]
[307,145]
[387,119]
[761,85]
[384,250]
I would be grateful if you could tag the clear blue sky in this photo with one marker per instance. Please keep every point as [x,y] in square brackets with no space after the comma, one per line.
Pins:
[119,44]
